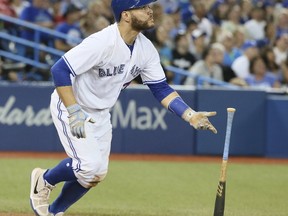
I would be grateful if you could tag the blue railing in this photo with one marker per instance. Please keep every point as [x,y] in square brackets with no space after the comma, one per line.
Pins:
[35,45]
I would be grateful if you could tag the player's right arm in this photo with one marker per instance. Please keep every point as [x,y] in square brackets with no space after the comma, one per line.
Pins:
[66,94]
[61,77]
[77,118]
[91,50]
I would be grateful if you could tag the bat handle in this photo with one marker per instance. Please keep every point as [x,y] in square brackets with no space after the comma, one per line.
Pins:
[220,200]
[223,171]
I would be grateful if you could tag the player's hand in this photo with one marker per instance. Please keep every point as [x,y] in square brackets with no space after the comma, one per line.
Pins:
[199,121]
[77,118]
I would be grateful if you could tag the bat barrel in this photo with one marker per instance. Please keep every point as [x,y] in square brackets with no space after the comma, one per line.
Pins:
[230,115]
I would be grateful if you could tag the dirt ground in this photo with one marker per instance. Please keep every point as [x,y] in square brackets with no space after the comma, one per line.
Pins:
[146,157]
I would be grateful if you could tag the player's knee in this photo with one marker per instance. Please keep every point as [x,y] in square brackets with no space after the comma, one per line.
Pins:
[93,169]
[98,178]
[91,174]
[92,181]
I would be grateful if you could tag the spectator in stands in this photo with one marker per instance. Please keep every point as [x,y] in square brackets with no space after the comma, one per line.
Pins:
[167,22]
[232,2]
[204,24]
[11,71]
[106,10]
[198,44]
[270,35]
[218,12]
[56,7]
[284,80]
[70,27]
[241,65]
[87,22]
[39,14]
[19,5]
[168,5]
[100,23]
[158,13]
[231,51]
[269,11]
[95,19]
[181,57]
[245,7]
[281,48]
[269,58]
[79,3]
[228,74]
[160,37]
[255,26]
[240,36]
[95,8]
[208,66]
[6,8]
[233,20]
[238,12]
[175,14]
[282,22]
[259,77]
[191,25]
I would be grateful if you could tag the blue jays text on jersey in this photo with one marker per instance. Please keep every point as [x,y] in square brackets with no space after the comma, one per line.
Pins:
[104,72]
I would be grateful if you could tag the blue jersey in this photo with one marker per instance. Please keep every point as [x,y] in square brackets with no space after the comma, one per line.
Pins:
[71,30]
[35,15]
[230,57]
[268,81]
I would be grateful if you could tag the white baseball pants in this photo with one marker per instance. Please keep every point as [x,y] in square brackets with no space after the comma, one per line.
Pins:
[90,155]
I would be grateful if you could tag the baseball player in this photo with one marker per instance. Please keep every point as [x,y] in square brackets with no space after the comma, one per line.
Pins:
[88,80]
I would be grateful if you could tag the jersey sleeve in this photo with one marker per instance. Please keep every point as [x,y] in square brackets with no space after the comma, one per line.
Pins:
[153,71]
[86,55]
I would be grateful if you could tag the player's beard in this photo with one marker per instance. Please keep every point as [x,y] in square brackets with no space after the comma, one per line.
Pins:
[139,25]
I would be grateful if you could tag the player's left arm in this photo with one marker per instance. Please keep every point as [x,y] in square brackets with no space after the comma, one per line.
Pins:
[171,100]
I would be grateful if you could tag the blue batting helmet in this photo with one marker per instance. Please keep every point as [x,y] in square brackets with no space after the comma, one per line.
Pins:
[118,6]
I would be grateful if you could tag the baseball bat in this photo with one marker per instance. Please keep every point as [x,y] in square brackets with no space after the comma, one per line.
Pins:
[221,189]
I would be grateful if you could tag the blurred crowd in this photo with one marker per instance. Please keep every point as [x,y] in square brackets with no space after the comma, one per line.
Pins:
[243,42]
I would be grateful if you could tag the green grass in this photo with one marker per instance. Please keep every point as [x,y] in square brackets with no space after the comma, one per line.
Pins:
[159,189]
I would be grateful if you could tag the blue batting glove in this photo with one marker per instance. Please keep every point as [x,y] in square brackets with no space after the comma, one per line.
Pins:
[77,120]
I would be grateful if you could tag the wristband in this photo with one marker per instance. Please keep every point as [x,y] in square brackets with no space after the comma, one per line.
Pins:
[73,108]
[181,109]
[187,115]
